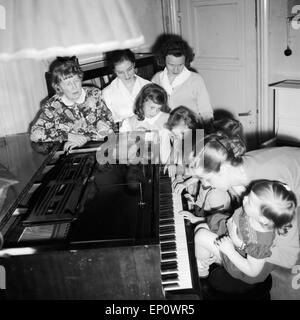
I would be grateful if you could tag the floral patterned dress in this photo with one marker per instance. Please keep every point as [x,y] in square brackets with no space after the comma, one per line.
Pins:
[90,118]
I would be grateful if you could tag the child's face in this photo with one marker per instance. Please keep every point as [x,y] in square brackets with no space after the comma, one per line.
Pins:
[151,109]
[180,128]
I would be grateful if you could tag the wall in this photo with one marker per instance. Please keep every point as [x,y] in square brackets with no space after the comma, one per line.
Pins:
[149,18]
[280,66]
[22,83]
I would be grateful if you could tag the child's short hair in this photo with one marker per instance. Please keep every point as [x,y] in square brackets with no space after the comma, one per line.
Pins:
[218,149]
[152,92]
[278,202]
[186,115]
[62,68]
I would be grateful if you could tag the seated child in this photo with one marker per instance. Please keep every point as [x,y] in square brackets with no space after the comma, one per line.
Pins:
[242,243]
[180,123]
[211,200]
[151,112]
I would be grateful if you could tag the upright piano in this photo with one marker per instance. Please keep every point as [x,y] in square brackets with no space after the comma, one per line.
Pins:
[78,229]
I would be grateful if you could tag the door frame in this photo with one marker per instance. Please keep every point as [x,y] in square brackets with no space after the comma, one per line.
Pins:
[265,127]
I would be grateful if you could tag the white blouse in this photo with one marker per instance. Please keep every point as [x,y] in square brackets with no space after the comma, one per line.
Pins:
[119,100]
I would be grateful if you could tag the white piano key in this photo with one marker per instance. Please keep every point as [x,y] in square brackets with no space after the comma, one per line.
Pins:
[182,259]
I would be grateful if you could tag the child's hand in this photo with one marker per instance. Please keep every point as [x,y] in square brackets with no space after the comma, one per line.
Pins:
[232,232]
[172,170]
[225,245]
[179,187]
[189,198]
[188,215]
[192,188]
[190,201]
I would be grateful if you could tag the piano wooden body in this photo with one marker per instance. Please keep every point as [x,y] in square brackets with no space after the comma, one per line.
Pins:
[80,230]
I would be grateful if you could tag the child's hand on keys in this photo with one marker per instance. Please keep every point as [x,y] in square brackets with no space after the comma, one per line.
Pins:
[192,218]
[179,187]
[172,170]
[189,198]
[190,201]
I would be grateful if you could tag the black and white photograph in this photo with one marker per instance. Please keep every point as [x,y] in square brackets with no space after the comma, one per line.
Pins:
[150,153]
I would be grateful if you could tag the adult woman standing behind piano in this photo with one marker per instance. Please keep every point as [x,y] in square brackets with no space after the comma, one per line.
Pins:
[184,87]
[120,95]
[75,114]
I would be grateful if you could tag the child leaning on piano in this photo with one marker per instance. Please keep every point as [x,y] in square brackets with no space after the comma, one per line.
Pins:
[243,242]
[151,112]
[181,124]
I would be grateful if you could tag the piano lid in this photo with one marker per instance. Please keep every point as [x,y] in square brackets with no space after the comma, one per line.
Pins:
[118,206]
[18,156]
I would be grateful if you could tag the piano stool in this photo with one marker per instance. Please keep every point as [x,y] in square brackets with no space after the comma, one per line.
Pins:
[219,285]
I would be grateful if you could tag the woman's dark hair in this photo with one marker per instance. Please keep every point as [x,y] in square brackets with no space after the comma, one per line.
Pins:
[186,115]
[63,68]
[173,45]
[229,126]
[118,56]
[152,92]
[218,149]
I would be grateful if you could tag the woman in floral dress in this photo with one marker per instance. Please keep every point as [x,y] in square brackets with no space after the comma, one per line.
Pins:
[76,114]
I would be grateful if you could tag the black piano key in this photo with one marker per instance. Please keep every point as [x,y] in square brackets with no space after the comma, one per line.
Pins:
[168,256]
[169,237]
[166,196]
[169,277]
[165,189]
[168,246]
[174,285]
[166,214]
[169,266]
[166,222]
[166,229]
[164,211]
[167,206]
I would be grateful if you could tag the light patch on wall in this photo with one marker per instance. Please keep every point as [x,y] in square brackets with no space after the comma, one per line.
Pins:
[2,278]
[2,18]
[296,18]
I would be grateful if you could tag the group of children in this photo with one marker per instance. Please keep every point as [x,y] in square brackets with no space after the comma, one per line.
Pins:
[236,223]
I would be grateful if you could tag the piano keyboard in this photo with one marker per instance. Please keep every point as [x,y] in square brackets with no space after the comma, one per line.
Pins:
[175,265]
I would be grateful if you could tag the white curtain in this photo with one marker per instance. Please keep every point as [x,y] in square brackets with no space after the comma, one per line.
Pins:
[42,28]
[37,30]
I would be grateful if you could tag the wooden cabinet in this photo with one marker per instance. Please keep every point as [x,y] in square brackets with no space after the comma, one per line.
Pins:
[287,111]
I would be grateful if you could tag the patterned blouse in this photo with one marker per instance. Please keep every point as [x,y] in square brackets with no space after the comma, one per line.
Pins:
[89,118]
[257,244]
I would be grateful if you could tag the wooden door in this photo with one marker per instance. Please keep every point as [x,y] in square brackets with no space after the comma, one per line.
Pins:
[223,35]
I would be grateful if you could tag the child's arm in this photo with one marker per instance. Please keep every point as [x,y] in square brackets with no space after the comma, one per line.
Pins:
[250,266]
[165,147]
[232,232]
[183,185]
[192,218]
